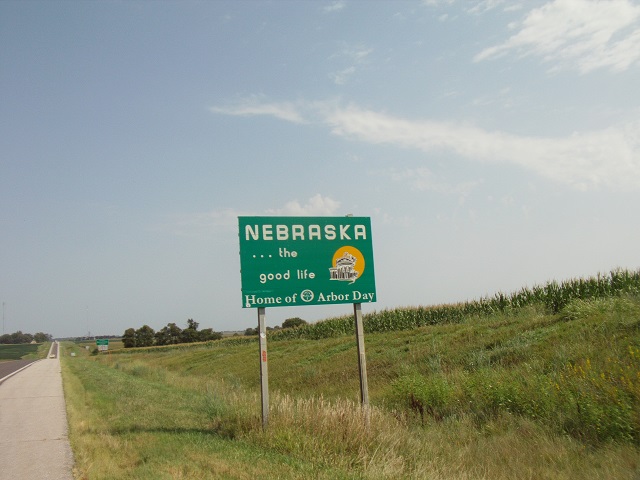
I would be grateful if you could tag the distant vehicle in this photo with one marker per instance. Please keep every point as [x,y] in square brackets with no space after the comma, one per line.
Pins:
[53,355]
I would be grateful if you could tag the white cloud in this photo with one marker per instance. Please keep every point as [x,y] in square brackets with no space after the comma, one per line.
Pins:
[254,106]
[502,99]
[476,6]
[435,3]
[207,223]
[608,158]
[334,7]
[484,6]
[354,57]
[200,223]
[316,205]
[342,77]
[581,34]
[424,179]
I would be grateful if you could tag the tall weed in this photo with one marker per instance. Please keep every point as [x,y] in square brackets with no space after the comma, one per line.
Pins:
[600,403]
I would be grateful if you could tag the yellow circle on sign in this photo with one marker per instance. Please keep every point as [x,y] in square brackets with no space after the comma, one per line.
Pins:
[355,253]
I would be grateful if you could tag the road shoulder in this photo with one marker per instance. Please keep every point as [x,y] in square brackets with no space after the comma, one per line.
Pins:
[34,443]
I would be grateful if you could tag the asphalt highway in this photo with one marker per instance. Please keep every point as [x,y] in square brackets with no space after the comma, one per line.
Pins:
[33,423]
[7,368]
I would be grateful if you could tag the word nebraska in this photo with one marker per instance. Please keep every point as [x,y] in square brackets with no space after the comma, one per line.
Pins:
[302,232]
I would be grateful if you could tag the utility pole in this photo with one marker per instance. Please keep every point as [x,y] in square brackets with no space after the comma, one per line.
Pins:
[3,318]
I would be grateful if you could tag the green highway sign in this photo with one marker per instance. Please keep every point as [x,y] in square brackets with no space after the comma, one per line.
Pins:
[102,341]
[294,261]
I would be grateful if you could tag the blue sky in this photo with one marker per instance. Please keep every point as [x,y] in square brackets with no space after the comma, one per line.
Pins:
[494,144]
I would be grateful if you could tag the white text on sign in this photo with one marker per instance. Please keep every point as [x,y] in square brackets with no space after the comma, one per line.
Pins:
[331,297]
[302,232]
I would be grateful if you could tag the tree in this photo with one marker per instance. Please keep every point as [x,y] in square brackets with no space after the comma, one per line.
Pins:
[162,336]
[129,338]
[191,323]
[19,337]
[208,334]
[144,336]
[175,332]
[42,337]
[168,335]
[293,322]
[251,331]
[190,334]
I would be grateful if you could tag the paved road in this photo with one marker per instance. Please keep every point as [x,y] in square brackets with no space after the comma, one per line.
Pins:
[33,425]
[7,368]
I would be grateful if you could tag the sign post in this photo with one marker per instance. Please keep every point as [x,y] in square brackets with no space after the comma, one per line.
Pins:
[299,261]
[362,359]
[264,372]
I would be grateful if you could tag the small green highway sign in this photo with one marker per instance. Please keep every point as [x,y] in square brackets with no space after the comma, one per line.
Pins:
[294,261]
[102,344]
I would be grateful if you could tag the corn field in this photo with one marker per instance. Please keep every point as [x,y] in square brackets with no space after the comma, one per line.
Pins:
[553,297]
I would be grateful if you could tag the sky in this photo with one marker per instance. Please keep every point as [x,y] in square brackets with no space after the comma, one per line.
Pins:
[494,144]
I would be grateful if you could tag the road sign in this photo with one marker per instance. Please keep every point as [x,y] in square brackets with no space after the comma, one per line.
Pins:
[102,344]
[294,261]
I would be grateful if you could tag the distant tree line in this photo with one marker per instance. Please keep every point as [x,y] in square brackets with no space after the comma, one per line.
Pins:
[19,337]
[88,338]
[172,334]
[288,323]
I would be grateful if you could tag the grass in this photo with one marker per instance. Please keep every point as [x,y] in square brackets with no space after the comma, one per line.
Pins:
[141,422]
[24,351]
[526,392]
[139,427]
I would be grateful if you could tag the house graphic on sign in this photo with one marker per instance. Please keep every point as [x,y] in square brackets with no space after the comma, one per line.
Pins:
[344,269]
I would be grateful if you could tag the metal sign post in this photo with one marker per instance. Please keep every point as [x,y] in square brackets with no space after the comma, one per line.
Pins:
[362,359]
[264,372]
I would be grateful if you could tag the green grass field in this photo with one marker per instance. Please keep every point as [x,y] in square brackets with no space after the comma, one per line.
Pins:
[26,351]
[522,392]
